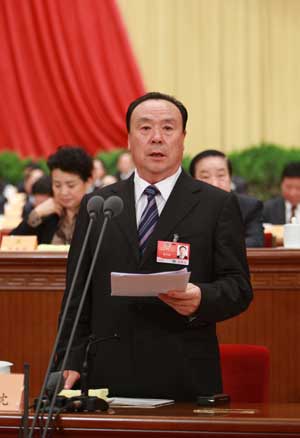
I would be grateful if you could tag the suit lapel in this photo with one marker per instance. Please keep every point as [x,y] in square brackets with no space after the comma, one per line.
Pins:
[127,219]
[181,201]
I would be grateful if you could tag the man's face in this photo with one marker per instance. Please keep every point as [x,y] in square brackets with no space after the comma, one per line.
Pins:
[214,171]
[290,189]
[182,251]
[156,139]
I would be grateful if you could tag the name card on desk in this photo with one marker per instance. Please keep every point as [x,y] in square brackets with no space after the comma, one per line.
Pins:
[19,243]
[11,392]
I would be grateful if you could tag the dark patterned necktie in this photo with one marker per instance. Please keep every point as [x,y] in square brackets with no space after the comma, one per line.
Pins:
[149,218]
[293,212]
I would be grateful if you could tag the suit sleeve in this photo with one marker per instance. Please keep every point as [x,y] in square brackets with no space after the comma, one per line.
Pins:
[230,293]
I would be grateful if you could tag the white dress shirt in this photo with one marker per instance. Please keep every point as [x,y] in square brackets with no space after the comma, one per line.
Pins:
[288,212]
[165,187]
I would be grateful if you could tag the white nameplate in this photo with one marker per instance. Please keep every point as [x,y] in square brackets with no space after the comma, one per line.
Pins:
[11,392]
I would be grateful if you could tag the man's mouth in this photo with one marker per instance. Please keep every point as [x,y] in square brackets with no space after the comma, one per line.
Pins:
[157,155]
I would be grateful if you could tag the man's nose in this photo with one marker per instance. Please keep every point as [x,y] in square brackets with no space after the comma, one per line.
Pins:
[157,136]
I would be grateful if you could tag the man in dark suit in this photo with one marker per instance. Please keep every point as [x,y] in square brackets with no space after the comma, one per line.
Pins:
[281,209]
[168,345]
[213,167]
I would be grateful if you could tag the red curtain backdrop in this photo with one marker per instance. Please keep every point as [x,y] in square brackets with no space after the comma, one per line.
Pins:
[67,74]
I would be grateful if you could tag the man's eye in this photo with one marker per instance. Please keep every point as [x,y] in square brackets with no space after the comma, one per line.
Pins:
[145,128]
[168,128]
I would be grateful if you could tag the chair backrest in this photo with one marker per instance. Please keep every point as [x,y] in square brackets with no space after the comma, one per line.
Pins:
[245,372]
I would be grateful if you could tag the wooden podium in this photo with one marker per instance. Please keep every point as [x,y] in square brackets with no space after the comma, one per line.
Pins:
[176,421]
[31,287]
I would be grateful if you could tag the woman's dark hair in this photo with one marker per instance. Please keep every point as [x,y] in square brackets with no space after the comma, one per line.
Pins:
[155,95]
[72,159]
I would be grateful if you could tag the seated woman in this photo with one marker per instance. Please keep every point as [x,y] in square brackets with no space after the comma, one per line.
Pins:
[53,221]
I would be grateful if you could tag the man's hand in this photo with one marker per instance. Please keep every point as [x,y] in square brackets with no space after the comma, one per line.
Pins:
[185,303]
[70,377]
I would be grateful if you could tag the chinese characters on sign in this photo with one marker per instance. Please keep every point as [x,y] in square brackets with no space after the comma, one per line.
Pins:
[3,399]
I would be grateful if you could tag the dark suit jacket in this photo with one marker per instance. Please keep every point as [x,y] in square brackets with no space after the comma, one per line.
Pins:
[252,213]
[160,353]
[44,232]
[274,211]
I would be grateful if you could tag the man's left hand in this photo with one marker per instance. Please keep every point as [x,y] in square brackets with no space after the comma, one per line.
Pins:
[184,302]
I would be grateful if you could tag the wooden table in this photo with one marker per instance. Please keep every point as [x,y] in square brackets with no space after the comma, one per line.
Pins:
[274,420]
[31,287]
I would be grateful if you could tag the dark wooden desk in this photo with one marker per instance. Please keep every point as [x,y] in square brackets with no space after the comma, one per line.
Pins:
[274,420]
[31,287]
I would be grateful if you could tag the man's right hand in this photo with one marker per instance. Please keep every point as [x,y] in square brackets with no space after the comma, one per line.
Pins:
[70,377]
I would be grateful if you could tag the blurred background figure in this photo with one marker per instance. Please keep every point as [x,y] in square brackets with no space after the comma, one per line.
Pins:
[98,173]
[41,190]
[213,167]
[108,179]
[125,166]
[3,198]
[32,174]
[28,169]
[239,185]
[53,220]
[282,209]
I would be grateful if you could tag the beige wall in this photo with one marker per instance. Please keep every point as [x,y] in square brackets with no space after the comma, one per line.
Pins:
[234,63]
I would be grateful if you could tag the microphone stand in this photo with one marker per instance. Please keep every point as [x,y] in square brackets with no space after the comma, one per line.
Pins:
[107,215]
[93,216]
[84,373]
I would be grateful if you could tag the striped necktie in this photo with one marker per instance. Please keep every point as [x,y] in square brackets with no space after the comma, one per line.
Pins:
[149,218]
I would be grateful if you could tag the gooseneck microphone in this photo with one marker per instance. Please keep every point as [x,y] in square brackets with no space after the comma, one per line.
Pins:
[94,208]
[112,207]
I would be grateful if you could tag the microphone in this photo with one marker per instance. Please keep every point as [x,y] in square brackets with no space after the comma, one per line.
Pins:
[94,207]
[112,207]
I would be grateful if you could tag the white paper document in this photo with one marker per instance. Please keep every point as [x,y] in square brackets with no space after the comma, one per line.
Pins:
[148,285]
[125,402]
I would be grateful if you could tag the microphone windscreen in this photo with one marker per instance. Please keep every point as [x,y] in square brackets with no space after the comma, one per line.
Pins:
[113,206]
[94,205]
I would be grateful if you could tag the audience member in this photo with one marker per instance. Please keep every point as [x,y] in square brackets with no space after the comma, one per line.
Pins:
[108,179]
[98,173]
[29,167]
[281,209]
[3,199]
[32,174]
[215,168]
[41,190]
[53,220]
[239,185]
[125,166]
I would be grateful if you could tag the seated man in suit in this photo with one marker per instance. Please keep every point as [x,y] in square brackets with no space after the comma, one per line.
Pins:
[215,168]
[281,209]
[167,345]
